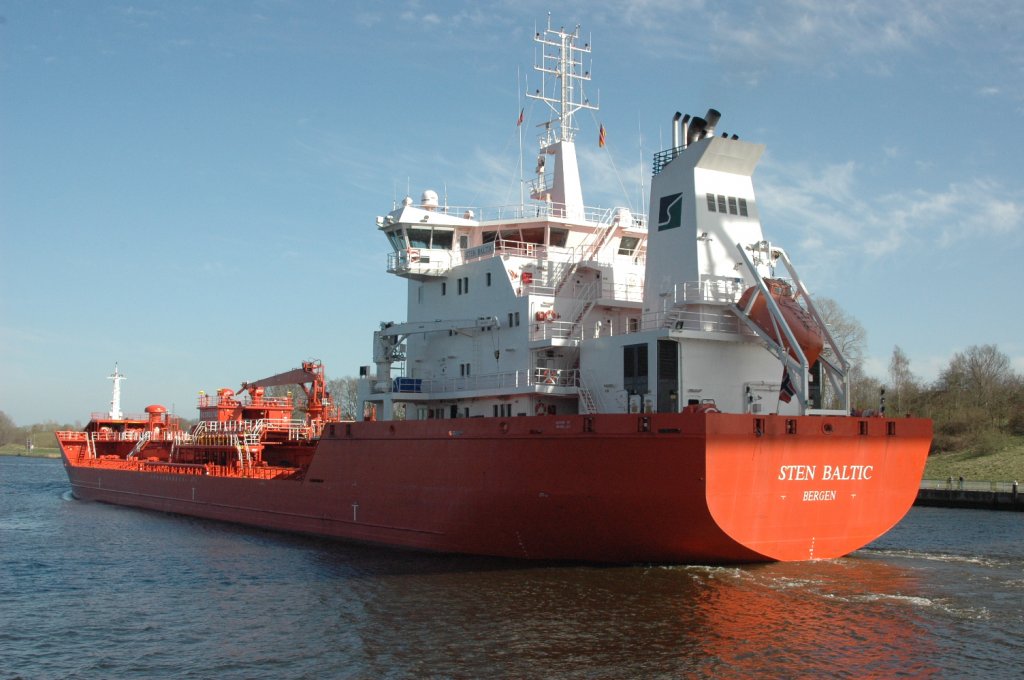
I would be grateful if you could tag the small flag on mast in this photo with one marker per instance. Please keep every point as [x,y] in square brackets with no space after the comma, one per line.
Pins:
[520,121]
[601,137]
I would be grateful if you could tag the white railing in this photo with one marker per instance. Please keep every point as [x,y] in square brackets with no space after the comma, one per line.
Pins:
[556,377]
[428,261]
[506,381]
[709,290]
[629,292]
[703,320]
[553,330]
[532,211]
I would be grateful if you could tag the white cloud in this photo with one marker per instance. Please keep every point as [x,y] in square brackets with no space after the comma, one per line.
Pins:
[828,205]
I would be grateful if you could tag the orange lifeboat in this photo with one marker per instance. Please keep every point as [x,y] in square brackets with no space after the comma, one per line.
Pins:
[805,330]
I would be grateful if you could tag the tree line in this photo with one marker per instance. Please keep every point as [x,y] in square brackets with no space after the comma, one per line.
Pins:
[976,402]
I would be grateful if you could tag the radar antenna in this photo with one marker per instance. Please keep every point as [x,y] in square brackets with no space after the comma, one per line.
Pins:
[562,77]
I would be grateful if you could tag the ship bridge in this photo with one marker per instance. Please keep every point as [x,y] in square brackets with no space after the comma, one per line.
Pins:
[429,240]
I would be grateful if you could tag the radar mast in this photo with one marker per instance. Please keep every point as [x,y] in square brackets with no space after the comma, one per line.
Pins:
[562,78]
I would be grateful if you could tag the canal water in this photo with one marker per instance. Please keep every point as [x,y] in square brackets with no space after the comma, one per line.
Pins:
[95,591]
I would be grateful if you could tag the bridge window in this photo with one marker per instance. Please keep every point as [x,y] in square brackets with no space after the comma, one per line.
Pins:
[397,239]
[418,238]
[558,237]
[628,244]
[535,235]
[442,238]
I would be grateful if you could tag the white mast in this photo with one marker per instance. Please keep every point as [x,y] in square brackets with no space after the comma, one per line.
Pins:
[562,78]
[115,401]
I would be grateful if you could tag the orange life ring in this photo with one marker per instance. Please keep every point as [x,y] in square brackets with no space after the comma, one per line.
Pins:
[541,409]
[512,274]
[540,316]
[414,255]
[549,376]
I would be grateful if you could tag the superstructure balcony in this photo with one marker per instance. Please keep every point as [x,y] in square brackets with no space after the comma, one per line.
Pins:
[526,381]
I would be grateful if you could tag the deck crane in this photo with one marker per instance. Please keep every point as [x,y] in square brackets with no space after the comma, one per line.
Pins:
[319,404]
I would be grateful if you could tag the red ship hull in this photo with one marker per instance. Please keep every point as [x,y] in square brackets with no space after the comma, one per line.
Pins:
[687,487]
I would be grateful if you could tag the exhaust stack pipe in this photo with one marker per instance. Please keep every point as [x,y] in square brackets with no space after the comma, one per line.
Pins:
[696,130]
[676,127]
[712,117]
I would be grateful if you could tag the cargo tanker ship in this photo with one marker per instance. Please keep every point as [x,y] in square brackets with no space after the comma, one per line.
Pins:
[570,383]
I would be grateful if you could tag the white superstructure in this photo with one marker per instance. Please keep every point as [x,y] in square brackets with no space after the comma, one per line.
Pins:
[553,307]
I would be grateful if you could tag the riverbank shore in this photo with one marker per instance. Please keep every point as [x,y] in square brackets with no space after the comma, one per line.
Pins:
[958,493]
[20,452]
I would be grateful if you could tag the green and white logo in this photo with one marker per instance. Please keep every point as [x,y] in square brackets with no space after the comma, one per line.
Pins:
[670,212]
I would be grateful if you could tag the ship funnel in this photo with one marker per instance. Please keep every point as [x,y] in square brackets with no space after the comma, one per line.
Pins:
[712,117]
[695,130]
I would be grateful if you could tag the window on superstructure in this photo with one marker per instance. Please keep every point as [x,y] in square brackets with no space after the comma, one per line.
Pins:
[488,278]
[489,236]
[743,207]
[558,237]
[418,238]
[711,202]
[460,286]
[444,288]
[443,239]
[535,235]
[517,318]
[465,284]
[628,244]
[732,206]
[721,203]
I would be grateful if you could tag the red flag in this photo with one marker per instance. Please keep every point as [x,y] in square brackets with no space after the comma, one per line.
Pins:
[520,121]
[601,137]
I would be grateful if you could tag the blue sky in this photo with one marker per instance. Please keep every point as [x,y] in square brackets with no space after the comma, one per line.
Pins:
[190,189]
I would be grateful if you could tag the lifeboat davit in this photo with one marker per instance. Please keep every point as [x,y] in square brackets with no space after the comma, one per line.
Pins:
[805,330]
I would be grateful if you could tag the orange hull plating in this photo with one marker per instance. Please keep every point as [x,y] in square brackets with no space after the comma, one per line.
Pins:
[688,487]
